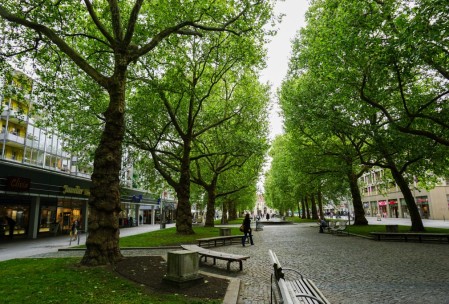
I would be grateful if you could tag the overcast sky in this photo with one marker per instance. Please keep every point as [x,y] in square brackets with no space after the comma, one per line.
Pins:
[279,51]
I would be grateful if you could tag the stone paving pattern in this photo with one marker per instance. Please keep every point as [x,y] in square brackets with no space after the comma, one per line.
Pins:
[347,269]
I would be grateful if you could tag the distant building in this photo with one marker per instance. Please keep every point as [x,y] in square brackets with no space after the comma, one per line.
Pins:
[388,201]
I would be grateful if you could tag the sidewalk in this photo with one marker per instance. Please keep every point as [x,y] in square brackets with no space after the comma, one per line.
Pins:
[21,248]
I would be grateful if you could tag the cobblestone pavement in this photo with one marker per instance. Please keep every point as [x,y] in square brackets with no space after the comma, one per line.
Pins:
[347,269]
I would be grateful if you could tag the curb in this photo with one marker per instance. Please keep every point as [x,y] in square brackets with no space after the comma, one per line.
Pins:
[233,290]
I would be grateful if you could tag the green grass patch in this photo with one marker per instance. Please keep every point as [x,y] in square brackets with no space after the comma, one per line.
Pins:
[365,230]
[296,219]
[238,221]
[62,280]
[169,237]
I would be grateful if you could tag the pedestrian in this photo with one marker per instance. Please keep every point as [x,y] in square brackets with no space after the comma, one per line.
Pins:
[74,231]
[12,225]
[323,225]
[268,216]
[247,230]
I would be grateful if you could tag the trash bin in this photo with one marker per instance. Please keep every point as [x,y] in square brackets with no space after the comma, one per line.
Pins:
[162,225]
[225,231]
[391,228]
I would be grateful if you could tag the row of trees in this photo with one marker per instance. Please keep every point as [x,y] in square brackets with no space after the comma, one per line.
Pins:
[367,87]
[170,85]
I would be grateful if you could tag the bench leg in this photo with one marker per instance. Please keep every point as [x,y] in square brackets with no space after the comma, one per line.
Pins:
[228,266]
[241,265]
[215,260]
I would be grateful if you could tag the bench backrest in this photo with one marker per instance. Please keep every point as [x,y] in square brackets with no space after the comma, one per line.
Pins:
[277,268]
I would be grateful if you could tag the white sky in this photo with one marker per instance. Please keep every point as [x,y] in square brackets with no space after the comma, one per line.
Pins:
[279,51]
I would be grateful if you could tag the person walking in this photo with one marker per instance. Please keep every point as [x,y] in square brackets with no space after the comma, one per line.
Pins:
[12,225]
[74,232]
[247,230]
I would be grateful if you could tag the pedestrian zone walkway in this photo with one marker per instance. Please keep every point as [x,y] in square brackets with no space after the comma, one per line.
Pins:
[347,269]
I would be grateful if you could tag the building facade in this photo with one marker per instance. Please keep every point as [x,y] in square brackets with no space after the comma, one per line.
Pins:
[42,190]
[388,201]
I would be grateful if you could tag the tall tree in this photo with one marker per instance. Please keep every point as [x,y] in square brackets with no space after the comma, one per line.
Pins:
[230,156]
[199,90]
[103,39]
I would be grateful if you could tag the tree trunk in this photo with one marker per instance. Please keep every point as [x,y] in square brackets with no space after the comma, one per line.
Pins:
[184,210]
[224,213]
[232,211]
[210,212]
[359,212]
[306,202]
[314,210]
[102,244]
[320,204]
[303,211]
[299,210]
[417,224]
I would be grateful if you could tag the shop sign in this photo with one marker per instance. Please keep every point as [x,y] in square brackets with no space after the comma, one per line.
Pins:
[382,203]
[75,190]
[19,184]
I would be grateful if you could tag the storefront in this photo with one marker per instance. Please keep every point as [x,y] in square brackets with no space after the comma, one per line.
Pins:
[393,208]
[36,201]
[422,202]
[382,208]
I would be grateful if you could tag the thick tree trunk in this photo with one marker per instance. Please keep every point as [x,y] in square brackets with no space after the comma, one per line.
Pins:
[417,224]
[359,212]
[184,210]
[210,213]
[224,211]
[299,209]
[232,211]
[102,244]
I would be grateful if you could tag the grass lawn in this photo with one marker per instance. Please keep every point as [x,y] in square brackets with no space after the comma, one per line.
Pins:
[365,230]
[62,280]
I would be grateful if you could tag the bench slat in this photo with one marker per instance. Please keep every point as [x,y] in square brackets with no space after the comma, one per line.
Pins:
[229,257]
[297,291]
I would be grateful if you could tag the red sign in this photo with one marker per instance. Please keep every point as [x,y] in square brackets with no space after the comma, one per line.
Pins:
[382,203]
[392,202]
[19,184]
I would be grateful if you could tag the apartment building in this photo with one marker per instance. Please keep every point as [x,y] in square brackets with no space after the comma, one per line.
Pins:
[387,200]
[42,188]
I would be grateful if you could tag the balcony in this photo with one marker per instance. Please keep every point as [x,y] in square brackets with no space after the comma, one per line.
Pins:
[12,139]
[15,116]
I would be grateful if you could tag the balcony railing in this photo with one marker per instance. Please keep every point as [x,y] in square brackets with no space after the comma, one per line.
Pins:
[12,137]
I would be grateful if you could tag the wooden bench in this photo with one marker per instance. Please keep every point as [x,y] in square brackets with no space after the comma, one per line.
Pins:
[215,255]
[411,236]
[340,227]
[292,291]
[221,240]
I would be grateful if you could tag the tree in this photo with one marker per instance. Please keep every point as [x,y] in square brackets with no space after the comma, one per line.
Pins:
[349,51]
[197,93]
[229,157]
[103,39]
